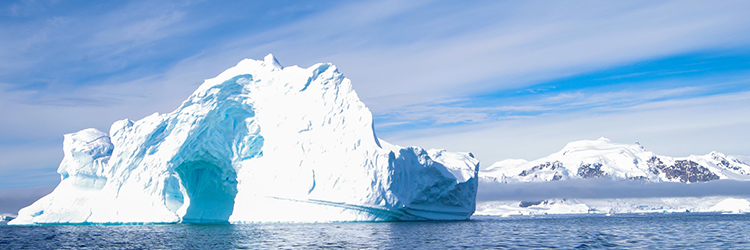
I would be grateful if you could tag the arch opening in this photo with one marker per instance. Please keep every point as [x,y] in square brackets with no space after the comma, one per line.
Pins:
[210,191]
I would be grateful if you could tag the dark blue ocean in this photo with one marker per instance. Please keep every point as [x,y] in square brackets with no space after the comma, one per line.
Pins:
[652,231]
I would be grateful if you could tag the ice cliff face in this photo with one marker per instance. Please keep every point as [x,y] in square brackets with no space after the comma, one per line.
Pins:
[604,159]
[260,142]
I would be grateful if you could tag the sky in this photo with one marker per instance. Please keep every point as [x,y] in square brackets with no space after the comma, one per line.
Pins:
[500,79]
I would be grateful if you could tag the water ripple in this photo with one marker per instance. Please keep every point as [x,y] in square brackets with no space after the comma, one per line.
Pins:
[657,231]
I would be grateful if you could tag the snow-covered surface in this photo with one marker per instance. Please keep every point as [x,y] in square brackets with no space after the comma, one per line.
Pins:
[604,159]
[260,142]
[742,158]
[732,205]
[613,206]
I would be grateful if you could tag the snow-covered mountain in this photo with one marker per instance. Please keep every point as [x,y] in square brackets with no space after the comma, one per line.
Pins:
[604,159]
[260,142]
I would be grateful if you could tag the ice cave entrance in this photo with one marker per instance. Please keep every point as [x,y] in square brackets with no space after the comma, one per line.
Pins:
[210,191]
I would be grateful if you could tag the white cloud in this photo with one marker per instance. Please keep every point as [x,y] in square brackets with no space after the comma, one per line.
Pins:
[487,46]
[143,30]
[592,99]
[417,56]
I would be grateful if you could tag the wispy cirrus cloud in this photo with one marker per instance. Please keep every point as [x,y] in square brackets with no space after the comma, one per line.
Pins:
[430,69]
[597,100]
[675,127]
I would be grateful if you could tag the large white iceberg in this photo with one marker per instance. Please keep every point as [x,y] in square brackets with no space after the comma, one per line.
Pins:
[260,142]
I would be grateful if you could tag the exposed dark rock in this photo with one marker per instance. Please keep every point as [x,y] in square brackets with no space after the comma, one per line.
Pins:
[557,177]
[683,170]
[723,162]
[734,164]
[591,170]
[689,171]
[543,166]
[654,164]
[726,164]
[529,203]
[639,178]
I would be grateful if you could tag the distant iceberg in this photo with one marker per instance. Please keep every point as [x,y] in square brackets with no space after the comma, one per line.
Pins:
[258,143]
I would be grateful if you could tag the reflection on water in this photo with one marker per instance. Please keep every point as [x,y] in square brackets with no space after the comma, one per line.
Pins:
[580,231]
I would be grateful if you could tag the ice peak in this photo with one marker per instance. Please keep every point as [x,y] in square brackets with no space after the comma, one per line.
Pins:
[586,143]
[87,135]
[717,155]
[585,147]
[271,60]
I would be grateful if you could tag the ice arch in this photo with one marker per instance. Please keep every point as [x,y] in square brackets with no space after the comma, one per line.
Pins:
[210,191]
[206,163]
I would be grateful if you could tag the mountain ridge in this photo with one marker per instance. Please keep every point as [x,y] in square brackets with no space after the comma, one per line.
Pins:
[602,158]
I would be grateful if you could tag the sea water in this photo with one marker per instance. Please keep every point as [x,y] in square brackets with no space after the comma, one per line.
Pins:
[669,231]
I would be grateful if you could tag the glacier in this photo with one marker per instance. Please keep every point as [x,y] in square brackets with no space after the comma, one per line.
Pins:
[258,143]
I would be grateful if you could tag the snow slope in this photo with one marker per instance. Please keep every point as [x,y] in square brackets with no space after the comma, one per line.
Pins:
[260,142]
[604,159]
[732,205]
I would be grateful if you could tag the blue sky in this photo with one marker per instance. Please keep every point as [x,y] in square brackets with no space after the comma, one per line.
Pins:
[502,79]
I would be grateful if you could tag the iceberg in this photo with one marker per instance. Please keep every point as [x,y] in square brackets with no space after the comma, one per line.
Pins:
[258,143]
[732,205]
[5,218]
